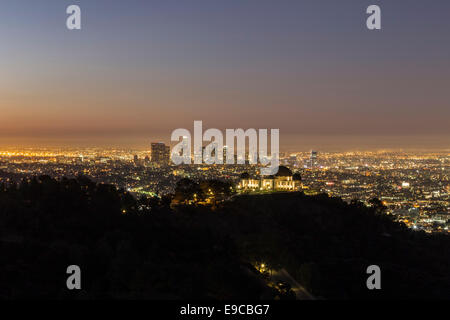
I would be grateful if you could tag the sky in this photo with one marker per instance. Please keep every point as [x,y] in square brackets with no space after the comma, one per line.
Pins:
[137,70]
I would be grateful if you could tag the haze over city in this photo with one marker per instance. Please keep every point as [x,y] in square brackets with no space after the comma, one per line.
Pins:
[139,69]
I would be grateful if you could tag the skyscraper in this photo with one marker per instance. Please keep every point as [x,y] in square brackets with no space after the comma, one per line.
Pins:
[313,159]
[160,153]
[146,161]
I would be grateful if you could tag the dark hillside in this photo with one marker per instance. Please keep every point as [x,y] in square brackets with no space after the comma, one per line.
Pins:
[130,248]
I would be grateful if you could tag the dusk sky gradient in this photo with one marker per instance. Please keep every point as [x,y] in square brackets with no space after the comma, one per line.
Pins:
[140,69]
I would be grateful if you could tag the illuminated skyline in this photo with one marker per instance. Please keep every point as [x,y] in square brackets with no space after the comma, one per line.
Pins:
[140,69]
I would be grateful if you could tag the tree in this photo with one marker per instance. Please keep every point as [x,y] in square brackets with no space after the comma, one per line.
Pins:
[188,191]
[377,205]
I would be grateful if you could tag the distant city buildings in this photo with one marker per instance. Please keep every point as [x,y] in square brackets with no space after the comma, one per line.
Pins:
[313,160]
[414,186]
[78,160]
[160,153]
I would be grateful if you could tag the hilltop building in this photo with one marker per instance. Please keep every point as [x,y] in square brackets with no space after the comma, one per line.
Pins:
[283,180]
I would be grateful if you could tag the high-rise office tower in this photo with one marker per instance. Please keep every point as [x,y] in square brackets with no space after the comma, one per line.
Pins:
[160,153]
[224,154]
[313,159]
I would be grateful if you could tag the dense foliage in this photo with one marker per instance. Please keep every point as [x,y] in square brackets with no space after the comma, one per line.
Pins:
[143,248]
